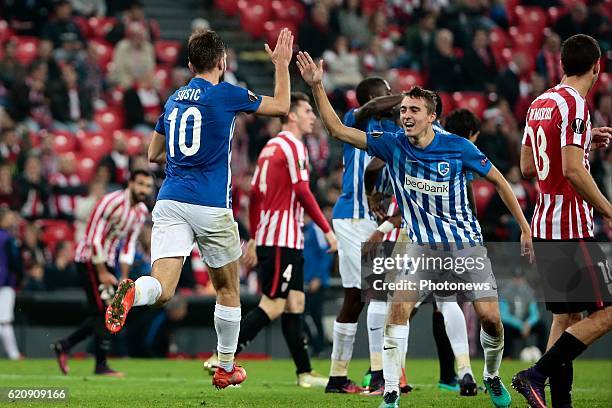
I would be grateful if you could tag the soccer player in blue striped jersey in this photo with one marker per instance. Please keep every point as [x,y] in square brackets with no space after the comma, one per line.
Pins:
[353,223]
[428,171]
[193,137]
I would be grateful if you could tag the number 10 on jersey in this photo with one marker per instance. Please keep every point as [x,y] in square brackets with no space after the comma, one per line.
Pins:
[196,129]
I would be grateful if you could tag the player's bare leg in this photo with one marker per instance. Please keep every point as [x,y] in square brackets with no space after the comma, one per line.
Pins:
[227,324]
[492,341]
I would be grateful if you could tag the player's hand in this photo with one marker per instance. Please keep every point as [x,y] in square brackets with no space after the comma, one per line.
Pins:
[250,255]
[600,137]
[283,51]
[526,330]
[332,241]
[108,279]
[314,285]
[311,72]
[527,246]
[369,247]
[375,203]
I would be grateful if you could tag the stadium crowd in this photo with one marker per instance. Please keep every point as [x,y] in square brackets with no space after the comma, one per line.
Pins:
[82,83]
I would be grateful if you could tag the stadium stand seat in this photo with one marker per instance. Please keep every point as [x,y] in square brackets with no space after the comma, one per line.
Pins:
[553,14]
[94,145]
[273,28]
[253,16]
[26,49]
[135,143]
[511,10]
[351,99]
[162,76]
[63,142]
[100,26]
[114,97]
[167,51]
[403,79]
[474,101]
[229,7]
[83,24]
[448,104]
[288,10]
[104,51]
[531,18]
[85,168]
[54,232]
[370,6]
[5,31]
[109,119]
[483,192]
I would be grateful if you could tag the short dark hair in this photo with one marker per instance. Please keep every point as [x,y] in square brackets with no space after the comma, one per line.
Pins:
[366,87]
[140,172]
[428,96]
[462,122]
[578,54]
[296,98]
[204,49]
[439,106]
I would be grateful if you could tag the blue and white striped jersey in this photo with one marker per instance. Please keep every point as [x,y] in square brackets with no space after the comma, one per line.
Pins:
[437,127]
[353,202]
[430,185]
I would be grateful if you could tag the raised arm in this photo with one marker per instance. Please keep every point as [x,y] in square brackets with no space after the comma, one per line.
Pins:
[376,106]
[281,57]
[313,75]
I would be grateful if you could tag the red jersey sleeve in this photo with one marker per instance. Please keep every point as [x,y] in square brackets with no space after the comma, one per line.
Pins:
[575,126]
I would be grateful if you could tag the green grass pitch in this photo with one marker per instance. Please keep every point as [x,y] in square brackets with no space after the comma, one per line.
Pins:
[183,383]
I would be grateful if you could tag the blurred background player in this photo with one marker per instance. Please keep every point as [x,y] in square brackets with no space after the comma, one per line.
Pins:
[10,265]
[117,217]
[556,143]
[280,194]
[194,204]
[354,223]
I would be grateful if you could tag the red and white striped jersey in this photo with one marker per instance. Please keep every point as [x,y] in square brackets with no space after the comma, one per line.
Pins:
[394,234]
[558,118]
[282,163]
[64,203]
[112,220]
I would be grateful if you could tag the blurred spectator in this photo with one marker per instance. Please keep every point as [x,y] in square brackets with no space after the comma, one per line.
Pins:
[89,8]
[231,68]
[603,109]
[117,161]
[520,316]
[375,60]
[11,70]
[62,273]
[445,72]
[71,103]
[509,80]
[66,186]
[598,23]
[547,61]
[142,104]
[317,269]
[84,206]
[10,271]
[134,13]
[133,57]
[493,142]
[64,32]
[419,42]
[33,250]
[537,86]
[9,145]
[34,279]
[26,17]
[44,55]
[315,36]
[8,189]
[342,66]
[28,103]
[353,24]
[379,28]
[91,74]
[574,22]
[479,69]
[317,144]
[34,190]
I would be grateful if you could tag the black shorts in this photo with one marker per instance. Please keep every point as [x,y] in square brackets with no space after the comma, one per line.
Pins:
[575,275]
[98,296]
[280,270]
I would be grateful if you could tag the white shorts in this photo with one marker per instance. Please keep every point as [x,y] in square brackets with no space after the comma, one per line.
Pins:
[178,226]
[351,233]
[7,304]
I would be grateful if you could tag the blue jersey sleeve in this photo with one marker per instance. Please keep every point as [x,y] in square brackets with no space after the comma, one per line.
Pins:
[474,159]
[238,99]
[349,118]
[381,144]
[159,127]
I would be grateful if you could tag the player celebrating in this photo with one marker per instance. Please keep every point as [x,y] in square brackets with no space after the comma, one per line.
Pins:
[353,223]
[194,137]
[555,148]
[419,154]
[118,217]
[279,195]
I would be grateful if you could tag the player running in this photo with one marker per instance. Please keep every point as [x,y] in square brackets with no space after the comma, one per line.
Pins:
[194,138]
[556,143]
[417,155]
[117,217]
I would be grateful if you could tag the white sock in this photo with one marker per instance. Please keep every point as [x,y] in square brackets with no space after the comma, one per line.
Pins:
[342,348]
[404,349]
[493,349]
[148,290]
[377,313]
[394,343]
[227,326]
[8,339]
[456,330]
